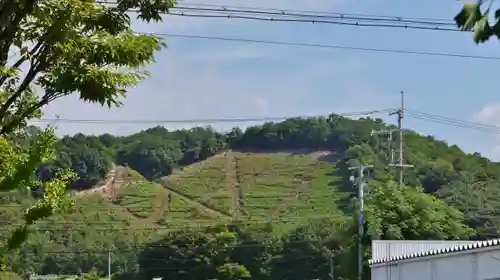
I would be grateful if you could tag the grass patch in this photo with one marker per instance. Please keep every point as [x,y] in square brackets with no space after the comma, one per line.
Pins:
[141,199]
[284,188]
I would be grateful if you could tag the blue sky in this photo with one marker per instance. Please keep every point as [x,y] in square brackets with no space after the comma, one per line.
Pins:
[195,79]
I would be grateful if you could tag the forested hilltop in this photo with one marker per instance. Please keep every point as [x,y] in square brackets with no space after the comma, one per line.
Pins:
[199,204]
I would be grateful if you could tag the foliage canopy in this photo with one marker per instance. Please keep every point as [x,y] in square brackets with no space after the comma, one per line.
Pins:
[50,49]
[475,17]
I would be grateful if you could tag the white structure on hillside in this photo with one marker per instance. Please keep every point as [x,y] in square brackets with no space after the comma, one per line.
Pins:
[435,260]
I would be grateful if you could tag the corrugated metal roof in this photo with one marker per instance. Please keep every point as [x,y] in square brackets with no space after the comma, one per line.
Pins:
[384,249]
[439,251]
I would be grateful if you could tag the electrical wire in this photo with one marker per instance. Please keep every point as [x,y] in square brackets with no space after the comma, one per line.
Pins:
[340,14]
[315,21]
[182,269]
[412,113]
[136,207]
[321,46]
[309,12]
[176,226]
[452,122]
[168,245]
[163,268]
[298,44]
[202,121]
[201,224]
[204,11]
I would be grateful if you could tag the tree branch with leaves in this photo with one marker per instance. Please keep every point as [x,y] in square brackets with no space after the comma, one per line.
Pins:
[50,49]
[475,16]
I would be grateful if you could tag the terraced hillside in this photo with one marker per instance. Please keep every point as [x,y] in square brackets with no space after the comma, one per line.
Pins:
[280,187]
[255,187]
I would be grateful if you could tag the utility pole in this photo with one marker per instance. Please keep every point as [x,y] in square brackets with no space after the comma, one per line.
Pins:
[109,264]
[360,182]
[332,270]
[400,166]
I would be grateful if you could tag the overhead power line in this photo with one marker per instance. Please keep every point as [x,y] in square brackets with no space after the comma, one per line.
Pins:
[173,227]
[200,121]
[452,121]
[436,23]
[314,201]
[262,14]
[234,15]
[409,112]
[323,46]
[164,268]
[297,14]
[309,12]
[337,14]
[134,248]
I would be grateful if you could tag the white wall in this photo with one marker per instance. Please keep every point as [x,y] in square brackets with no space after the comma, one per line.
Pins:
[480,265]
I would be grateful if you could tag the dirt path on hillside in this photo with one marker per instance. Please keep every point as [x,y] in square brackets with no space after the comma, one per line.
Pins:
[111,185]
[206,210]
[110,190]
[176,176]
[161,200]
[104,187]
[117,182]
[232,185]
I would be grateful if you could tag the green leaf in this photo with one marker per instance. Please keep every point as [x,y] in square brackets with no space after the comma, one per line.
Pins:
[468,16]
[482,30]
[495,29]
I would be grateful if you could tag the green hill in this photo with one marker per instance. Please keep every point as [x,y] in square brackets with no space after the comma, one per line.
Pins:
[287,188]
[280,187]
[278,183]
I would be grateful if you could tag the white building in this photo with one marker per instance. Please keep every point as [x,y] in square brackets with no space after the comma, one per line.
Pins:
[435,260]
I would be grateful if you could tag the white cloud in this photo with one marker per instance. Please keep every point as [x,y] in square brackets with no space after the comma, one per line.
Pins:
[489,114]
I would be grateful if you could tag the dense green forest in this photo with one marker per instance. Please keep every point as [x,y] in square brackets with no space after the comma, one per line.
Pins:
[448,195]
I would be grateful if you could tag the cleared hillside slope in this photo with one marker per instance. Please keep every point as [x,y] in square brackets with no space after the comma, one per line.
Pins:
[280,187]
[288,188]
